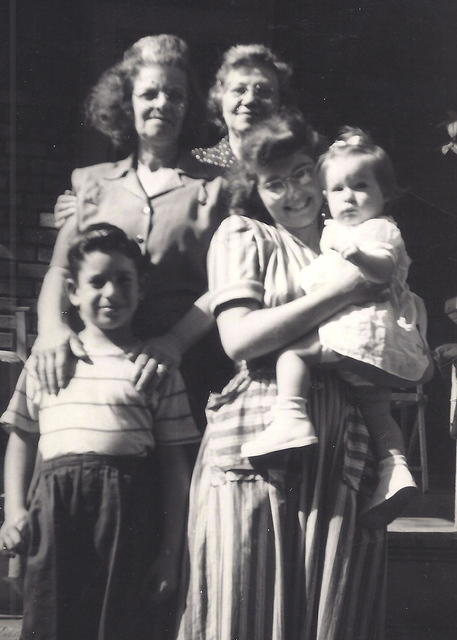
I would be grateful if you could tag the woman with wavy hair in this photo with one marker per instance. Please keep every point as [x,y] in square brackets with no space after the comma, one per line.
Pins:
[276,550]
[147,105]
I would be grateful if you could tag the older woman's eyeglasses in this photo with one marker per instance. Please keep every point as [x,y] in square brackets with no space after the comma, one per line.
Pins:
[277,188]
[173,95]
[260,90]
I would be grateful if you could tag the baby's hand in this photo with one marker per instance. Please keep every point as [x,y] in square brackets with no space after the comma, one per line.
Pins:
[162,579]
[349,250]
[13,534]
[344,245]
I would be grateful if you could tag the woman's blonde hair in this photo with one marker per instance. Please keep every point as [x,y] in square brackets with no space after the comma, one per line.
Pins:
[248,55]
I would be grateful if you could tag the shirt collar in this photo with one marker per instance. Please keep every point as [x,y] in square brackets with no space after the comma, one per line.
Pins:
[186,165]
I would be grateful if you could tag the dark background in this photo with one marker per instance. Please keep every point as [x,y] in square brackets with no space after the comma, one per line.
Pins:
[386,65]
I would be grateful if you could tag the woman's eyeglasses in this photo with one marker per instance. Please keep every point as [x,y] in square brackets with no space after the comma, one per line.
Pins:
[174,96]
[259,90]
[277,188]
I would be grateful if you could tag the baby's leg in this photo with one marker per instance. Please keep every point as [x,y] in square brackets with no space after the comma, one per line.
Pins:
[290,425]
[396,485]
[292,375]
[374,404]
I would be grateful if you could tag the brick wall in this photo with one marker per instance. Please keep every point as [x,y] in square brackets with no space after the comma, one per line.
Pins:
[34,176]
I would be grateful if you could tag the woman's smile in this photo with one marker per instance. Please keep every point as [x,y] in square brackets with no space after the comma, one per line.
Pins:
[290,192]
[159,100]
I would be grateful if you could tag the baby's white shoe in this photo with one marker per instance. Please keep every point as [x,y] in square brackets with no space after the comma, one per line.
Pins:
[290,427]
[396,487]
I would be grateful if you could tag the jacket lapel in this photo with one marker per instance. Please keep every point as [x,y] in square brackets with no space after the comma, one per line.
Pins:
[123,172]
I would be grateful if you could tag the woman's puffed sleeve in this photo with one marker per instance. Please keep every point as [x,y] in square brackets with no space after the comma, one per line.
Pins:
[234,263]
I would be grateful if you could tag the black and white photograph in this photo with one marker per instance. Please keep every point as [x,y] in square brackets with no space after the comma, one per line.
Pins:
[228,320]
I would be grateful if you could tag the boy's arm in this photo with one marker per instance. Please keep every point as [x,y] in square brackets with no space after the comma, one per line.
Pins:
[175,479]
[19,464]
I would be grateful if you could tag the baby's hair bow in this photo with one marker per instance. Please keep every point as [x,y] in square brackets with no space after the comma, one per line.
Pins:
[352,141]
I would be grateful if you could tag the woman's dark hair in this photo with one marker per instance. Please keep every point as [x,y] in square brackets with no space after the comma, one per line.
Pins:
[275,138]
[352,142]
[106,238]
[108,107]
[248,55]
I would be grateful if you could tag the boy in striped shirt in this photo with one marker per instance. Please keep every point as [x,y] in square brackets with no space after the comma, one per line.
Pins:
[102,533]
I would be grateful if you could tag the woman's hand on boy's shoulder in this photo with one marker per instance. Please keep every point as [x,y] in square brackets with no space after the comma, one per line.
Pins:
[153,360]
[53,357]
[13,533]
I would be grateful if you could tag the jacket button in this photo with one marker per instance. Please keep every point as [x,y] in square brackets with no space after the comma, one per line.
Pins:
[139,239]
[146,209]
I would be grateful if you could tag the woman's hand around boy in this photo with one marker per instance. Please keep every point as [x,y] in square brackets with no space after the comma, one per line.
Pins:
[153,359]
[53,357]
[64,208]
[13,533]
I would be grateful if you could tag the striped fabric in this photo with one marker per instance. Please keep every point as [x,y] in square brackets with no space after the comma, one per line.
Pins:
[275,551]
[100,411]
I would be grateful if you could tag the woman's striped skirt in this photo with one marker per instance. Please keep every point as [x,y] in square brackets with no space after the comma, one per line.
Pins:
[276,552]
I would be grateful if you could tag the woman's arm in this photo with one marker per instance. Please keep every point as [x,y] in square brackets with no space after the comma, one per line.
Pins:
[248,331]
[64,208]
[56,341]
[169,348]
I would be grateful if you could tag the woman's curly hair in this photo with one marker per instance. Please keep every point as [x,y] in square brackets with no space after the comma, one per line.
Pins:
[247,55]
[273,139]
[108,107]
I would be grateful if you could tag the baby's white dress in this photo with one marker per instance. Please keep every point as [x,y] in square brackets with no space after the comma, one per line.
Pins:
[389,335]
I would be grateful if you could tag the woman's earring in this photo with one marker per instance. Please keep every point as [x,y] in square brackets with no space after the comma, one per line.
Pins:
[325,213]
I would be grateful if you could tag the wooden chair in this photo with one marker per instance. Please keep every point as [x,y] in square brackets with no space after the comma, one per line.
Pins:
[410,407]
[14,320]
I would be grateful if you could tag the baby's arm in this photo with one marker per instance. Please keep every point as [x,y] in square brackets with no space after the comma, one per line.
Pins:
[175,479]
[19,464]
[377,265]
[372,246]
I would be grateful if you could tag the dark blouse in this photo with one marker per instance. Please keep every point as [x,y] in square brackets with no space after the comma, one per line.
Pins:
[221,155]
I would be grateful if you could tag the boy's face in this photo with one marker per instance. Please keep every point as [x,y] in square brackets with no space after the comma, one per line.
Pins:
[107,290]
[352,190]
